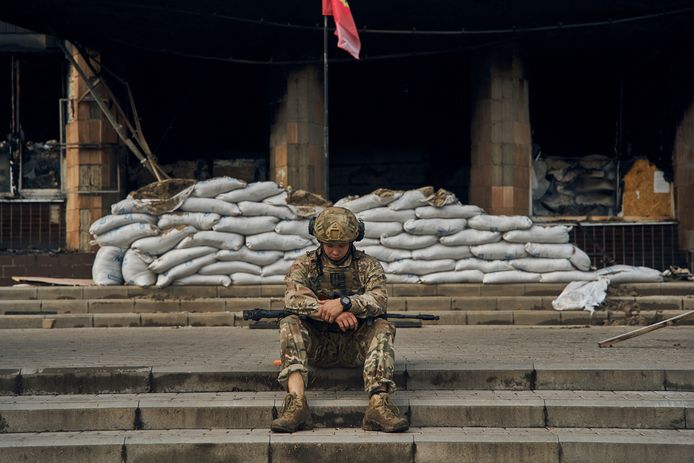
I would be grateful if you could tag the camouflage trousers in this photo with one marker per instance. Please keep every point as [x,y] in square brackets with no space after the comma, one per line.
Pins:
[370,346]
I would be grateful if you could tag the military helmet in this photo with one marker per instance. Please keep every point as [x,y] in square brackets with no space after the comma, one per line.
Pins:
[336,225]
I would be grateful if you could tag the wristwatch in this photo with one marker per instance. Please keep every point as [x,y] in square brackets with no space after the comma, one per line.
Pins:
[346,302]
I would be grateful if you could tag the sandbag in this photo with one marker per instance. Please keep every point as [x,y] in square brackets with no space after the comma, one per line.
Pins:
[513,276]
[249,279]
[367,242]
[538,265]
[452,211]
[178,256]
[210,205]
[253,257]
[421,267]
[281,267]
[386,214]
[293,227]
[628,274]
[550,251]
[107,267]
[111,222]
[442,198]
[466,276]
[439,251]
[199,220]
[203,280]
[257,191]
[272,241]
[500,223]
[156,198]
[278,199]
[229,267]
[499,251]
[123,237]
[183,270]
[253,209]
[412,199]
[219,240]
[216,186]
[376,230]
[246,225]
[157,245]
[471,237]
[400,278]
[580,260]
[407,241]
[538,234]
[136,271]
[437,227]
[378,198]
[567,277]
[584,295]
[385,254]
[296,253]
[484,266]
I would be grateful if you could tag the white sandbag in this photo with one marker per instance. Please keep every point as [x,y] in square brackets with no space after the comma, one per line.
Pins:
[272,241]
[158,245]
[407,241]
[421,267]
[277,200]
[484,266]
[156,198]
[365,242]
[376,230]
[305,212]
[466,276]
[199,220]
[136,271]
[385,254]
[378,198]
[452,211]
[538,234]
[219,240]
[215,186]
[539,265]
[293,227]
[229,267]
[178,256]
[412,199]
[499,251]
[550,251]
[110,222]
[281,267]
[183,270]
[386,214]
[584,295]
[250,279]
[567,277]
[246,225]
[253,257]
[500,223]
[107,266]
[627,274]
[203,280]
[580,260]
[442,198]
[123,237]
[513,276]
[257,191]
[471,237]
[253,209]
[437,227]
[210,205]
[396,278]
[296,253]
[439,251]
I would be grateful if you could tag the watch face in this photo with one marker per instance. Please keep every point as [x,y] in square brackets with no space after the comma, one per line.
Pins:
[345,301]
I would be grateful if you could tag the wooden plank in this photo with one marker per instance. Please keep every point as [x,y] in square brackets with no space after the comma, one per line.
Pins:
[55,281]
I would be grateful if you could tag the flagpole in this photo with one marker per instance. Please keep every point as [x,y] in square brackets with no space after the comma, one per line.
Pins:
[326,169]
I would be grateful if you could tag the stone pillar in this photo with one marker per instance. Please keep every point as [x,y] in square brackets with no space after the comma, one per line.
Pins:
[683,156]
[296,138]
[500,134]
[91,163]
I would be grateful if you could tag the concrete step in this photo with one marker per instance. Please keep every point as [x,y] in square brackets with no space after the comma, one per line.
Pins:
[415,376]
[418,445]
[239,410]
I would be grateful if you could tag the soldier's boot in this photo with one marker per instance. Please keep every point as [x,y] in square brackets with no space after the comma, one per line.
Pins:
[383,415]
[294,416]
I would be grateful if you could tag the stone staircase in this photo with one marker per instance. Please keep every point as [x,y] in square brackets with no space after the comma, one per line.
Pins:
[455,304]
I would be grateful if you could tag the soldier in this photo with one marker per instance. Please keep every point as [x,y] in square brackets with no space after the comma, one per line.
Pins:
[337,285]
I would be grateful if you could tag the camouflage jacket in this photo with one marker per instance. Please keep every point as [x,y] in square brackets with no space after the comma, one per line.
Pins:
[300,293]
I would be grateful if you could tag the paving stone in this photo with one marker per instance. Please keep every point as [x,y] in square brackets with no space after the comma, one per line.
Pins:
[154,306]
[679,379]
[502,290]
[18,293]
[544,289]
[102,447]
[102,320]
[105,292]
[111,306]
[194,292]
[72,320]
[469,377]
[477,412]
[458,290]
[240,291]
[211,319]
[20,306]
[659,302]
[165,319]
[615,414]
[518,302]
[689,416]
[16,322]
[8,381]
[449,317]
[202,305]
[688,302]
[490,317]
[428,303]
[643,289]
[397,303]
[60,292]
[405,290]
[95,380]
[547,302]
[599,377]
[277,303]
[199,379]
[536,317]
[238,304]
[272,290]
[599,318]
[139,291]
[64,306]
[673,313]
[575,317]
[474,303]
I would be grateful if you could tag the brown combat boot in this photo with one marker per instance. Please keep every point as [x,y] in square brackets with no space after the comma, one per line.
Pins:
[383,415]
[294,416]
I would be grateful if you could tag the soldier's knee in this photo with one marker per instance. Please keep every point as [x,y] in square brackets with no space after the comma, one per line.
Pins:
[381,325]
[290,320]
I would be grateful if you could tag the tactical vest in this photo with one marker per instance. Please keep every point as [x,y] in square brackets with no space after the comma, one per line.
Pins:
[333,282]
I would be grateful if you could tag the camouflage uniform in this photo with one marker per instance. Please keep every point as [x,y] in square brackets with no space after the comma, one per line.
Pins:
[303,340]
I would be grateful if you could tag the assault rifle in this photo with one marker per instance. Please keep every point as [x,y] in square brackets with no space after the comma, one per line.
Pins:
[260,314]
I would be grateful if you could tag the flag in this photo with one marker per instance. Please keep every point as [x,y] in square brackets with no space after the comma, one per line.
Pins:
[345,29]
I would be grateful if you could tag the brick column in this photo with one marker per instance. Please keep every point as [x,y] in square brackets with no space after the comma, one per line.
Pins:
[296,138]
[500,134]
[91,163]
[683,156]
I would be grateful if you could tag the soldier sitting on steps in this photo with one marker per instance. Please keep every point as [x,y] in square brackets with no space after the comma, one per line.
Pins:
[336,267]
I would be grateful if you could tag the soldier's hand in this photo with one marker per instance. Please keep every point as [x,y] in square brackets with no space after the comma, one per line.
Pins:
[347,321]
[329,310]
